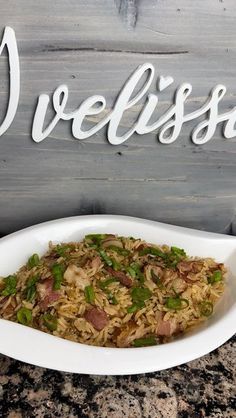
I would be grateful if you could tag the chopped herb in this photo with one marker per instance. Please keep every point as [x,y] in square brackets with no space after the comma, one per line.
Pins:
[50,321]
[31,288]
[118,250]
[33,261]
[105,283]
[57,272]
[152,251]
[89,294]
[206,308]
[105,257]
[24,316]
[216,277]
[144,342]
[176,303]
[10,286]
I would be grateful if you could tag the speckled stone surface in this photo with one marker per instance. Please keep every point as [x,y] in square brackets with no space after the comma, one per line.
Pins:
[202,388]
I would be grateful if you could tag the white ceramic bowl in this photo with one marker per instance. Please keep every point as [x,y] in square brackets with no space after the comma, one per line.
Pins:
[35,347]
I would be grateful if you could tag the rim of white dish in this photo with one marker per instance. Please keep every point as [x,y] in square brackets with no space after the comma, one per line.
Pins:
[41,349]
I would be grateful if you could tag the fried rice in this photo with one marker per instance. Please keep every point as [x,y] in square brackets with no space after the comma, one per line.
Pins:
[113,291]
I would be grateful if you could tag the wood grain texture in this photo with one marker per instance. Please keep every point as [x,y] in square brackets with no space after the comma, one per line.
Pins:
[86,45]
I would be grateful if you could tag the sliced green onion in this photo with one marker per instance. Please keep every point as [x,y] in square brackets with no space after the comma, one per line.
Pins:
[24,316]
[176,303]
[140,294]
[206,308]
[105,283]
[216,277]
[118,250]
[10,286]
[33,261]
[152,251]
[92,245]
[57,272]
[89,294]
[115,265]
[139,275]
[62,249]
[178,251]
[96,239]
[157,280]
[112,298]
[174,257]
[141,278]
[31,288]
[131,271]
[144,342]
[105,257]
[132,308]
[50,321]
[136,268]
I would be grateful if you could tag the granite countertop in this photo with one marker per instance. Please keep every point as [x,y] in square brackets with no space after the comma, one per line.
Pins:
[201,388]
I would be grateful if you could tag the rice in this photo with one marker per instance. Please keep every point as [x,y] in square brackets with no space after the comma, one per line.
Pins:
[113,291]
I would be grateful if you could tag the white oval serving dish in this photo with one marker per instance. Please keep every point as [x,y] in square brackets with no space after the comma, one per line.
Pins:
[41,349]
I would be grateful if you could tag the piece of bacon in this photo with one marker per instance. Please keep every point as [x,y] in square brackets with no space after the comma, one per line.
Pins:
[97,317]
[46,293]
[165,328]
[189,266]
[188,270]
[122,277]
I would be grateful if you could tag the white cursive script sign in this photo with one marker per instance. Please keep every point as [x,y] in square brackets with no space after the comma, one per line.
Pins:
[169,125]
[9,41]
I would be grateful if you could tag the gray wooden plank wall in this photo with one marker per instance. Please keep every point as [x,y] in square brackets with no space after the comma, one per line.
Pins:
[92,47]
